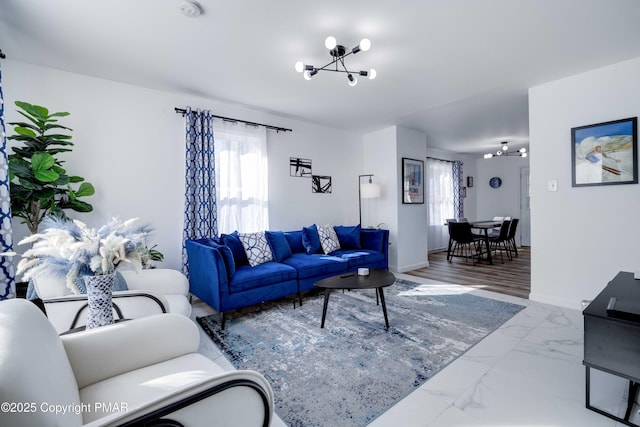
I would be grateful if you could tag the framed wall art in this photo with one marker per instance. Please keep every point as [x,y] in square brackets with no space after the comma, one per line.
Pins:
[320,184]
[412,181]
[605,153]
[300,167]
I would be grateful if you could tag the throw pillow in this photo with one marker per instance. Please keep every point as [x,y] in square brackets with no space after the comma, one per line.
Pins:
[295,241]
[239,255]
[311,240]
[256,247]
[227,258]
[349,237]
[328,238]
[279,245]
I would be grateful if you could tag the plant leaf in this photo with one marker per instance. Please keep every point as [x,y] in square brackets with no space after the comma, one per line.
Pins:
[85,189]
[41,164]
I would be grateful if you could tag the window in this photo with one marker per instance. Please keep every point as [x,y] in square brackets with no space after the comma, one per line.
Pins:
[241,177]
[440,199]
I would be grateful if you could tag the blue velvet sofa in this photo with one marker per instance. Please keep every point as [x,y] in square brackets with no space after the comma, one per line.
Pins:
[221,276]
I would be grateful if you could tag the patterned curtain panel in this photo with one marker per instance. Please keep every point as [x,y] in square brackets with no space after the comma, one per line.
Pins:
[200,180]
[7,272]
[458,198]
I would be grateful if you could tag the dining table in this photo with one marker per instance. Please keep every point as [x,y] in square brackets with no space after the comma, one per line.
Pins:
[486,225]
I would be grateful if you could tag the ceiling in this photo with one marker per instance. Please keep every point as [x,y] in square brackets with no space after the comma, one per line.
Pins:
[457,70]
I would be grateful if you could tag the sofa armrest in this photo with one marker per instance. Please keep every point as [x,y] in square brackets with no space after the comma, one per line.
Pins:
[208,277]
[237,398]
[162,280]
[100,353]
[68,312]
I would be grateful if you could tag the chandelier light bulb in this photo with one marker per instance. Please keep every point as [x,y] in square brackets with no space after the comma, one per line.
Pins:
[307,75]
[523,150]
[505,147]
[352,80]
[299,66]
[499,153]
[330,42]
[365,45]
[372,74]
[524,154]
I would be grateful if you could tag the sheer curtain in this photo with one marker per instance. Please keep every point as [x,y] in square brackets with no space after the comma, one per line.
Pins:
[242,177]
[440,199]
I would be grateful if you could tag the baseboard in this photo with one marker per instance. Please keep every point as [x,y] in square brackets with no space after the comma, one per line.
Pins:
[406,268]
[546,299]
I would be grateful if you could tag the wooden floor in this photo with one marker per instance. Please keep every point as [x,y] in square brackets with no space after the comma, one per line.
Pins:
[511,278]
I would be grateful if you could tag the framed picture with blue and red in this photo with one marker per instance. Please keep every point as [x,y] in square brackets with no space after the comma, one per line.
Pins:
[412,181]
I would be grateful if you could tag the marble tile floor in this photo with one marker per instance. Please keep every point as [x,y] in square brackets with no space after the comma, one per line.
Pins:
[527,373]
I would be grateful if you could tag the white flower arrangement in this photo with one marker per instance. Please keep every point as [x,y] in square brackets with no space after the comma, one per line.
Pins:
[72,249]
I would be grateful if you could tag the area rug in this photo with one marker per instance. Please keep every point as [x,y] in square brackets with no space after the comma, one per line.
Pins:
[353,370]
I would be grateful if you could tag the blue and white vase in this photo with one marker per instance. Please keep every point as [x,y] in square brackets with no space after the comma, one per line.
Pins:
[99,290]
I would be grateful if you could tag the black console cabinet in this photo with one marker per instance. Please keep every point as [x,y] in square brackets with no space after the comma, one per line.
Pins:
[612,336]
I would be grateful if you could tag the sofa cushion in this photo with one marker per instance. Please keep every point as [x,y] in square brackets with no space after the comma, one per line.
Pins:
[311,240]
[266,274]
[295,241]
[279,245]
[359,257]
[234,243]
[256,247]
[316,264]
[328,238]
[349,237]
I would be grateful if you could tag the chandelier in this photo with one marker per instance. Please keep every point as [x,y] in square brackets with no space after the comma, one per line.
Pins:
[339,53]
[504,152]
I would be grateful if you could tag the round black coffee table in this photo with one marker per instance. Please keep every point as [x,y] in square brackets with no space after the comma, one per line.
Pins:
[377,279]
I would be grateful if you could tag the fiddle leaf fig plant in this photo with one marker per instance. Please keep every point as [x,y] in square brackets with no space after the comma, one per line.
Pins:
[39,185]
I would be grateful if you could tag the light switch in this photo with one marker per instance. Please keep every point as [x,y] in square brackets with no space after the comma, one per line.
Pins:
[553,185]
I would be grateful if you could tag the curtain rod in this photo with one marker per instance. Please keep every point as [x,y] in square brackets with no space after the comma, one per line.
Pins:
[229,119]
[440,160]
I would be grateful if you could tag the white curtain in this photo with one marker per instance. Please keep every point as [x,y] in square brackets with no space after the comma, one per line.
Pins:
[440,199]
[241,177]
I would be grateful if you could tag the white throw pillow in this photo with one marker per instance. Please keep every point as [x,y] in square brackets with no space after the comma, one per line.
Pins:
[256,247]
[328,238]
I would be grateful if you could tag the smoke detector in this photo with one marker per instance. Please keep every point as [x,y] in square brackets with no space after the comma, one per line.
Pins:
[190,8]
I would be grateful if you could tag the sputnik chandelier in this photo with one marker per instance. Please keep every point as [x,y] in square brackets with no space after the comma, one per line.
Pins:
[504,152]
[338,52]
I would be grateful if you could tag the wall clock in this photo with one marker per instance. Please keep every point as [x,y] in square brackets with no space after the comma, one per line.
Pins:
[495,182]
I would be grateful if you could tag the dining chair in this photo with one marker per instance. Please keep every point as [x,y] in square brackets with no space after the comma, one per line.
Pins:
[500,242]
[463,243]
[511,239]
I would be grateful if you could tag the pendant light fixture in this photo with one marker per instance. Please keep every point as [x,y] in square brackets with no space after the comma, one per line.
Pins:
[339,53]
[504,152]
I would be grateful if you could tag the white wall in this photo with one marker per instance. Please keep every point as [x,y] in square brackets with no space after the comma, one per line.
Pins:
[581,237]
[412,218]
[505,200]
[129,143]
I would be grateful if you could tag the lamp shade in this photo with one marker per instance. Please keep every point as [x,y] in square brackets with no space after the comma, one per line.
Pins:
[369,191]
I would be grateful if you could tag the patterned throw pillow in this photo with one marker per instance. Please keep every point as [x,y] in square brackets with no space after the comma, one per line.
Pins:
[328,238]
[256,247]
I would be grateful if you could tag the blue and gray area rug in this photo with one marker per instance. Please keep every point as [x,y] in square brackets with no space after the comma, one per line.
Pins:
[353,370]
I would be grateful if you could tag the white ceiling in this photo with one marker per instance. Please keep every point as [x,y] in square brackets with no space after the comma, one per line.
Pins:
[457,70]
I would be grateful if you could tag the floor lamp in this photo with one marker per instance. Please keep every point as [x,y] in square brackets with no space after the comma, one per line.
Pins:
[367,190]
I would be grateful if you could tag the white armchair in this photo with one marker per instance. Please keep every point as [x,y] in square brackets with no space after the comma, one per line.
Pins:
[130,373]
[152,291]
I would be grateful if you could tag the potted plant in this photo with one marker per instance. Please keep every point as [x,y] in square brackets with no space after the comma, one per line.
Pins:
[39,185]
[86,257]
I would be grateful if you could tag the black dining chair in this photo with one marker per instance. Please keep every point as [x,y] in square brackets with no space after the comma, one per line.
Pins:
[463,243]
[511,238]
[501,241]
